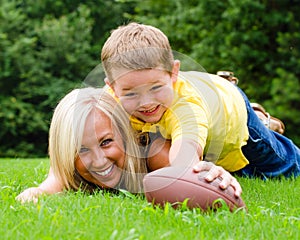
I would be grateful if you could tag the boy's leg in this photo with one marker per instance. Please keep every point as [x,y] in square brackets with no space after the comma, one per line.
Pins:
[270,154]
[271,122]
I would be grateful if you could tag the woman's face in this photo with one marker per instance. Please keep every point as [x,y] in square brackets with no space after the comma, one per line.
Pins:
[102,156]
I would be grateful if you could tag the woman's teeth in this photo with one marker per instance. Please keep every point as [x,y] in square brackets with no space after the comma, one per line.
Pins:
[106,172]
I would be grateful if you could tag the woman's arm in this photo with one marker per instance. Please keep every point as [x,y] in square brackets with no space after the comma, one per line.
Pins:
[50,185]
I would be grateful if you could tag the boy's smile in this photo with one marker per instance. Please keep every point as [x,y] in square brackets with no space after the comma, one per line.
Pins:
[145,94]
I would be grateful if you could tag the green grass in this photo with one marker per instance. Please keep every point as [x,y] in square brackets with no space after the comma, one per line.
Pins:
[273,212]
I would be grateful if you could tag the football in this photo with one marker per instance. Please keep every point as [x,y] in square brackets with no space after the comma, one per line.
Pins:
[176,185]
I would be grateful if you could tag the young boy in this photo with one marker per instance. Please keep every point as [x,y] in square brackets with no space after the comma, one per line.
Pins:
[203,116]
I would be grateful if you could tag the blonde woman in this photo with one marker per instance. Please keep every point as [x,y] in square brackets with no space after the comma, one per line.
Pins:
[92,146]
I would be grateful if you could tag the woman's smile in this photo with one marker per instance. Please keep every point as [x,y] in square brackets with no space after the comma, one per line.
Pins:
[106,173]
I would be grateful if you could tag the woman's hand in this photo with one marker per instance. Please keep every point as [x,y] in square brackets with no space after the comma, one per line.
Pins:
[214,172]
[50,185]
[30,195]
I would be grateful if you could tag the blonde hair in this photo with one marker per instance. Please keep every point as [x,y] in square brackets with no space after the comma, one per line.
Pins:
[66,132]
[136,46]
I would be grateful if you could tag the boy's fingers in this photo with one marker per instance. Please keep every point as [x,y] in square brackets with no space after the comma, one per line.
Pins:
[203,166]
[231,181]
[214,172]
[217,171]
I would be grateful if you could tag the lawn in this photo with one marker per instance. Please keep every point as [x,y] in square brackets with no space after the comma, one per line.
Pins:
[273,212]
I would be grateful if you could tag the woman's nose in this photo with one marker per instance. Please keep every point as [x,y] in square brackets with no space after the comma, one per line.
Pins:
[98,158]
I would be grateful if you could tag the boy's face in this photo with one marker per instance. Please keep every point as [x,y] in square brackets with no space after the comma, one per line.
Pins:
[146,94]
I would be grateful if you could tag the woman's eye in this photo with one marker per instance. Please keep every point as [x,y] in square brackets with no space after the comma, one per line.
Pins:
[106,142]
[83,150]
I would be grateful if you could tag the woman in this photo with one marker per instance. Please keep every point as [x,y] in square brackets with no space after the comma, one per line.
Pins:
[88,135]
[92,146]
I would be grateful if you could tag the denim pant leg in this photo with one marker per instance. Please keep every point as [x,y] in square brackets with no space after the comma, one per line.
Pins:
[269,153]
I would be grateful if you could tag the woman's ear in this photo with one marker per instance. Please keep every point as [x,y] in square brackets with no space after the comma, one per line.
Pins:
[175,70]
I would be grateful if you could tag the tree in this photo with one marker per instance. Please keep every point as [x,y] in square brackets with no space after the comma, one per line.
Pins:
[47,48]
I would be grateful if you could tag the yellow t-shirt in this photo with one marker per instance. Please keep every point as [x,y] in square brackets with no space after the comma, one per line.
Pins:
[209,110]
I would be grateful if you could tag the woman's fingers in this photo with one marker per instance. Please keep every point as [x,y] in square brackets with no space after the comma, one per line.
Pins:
[29,195]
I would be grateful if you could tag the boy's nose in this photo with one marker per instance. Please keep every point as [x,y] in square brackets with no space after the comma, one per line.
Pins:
[145,100]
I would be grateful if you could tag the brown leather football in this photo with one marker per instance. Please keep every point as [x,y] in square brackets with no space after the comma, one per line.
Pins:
[176,184]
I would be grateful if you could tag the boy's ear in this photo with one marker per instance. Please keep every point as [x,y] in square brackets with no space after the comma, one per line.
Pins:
[107,82]
[175,70]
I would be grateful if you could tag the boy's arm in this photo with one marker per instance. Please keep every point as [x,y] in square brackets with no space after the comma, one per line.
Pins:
[189,153]
[50,185]
[162,153]
[185,152]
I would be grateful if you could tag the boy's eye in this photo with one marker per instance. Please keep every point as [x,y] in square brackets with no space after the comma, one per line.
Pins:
[105,142]
[156,87]
[131,94]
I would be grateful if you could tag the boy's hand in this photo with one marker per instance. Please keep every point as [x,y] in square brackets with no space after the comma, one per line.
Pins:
[30,195]
[214,172]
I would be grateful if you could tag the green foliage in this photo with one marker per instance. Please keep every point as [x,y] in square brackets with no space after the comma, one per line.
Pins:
[42,61]
[14,118]
[74,215]
[48,47]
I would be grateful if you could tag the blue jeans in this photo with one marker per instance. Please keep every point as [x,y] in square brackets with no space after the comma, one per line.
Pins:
[269,153]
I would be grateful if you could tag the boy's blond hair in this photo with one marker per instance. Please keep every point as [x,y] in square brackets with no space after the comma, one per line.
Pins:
[134,47]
